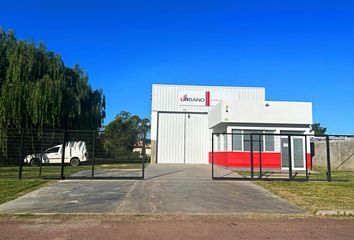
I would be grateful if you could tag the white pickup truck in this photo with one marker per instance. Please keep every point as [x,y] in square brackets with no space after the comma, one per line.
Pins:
[75,153]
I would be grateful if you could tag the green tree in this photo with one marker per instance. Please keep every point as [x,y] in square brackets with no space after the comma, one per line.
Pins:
[317,129]
[144,128]
[123,133]
[38,91]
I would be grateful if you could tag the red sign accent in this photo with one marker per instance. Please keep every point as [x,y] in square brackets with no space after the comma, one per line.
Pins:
[207,98]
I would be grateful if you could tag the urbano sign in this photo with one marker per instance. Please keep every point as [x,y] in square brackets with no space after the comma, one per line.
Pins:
[190,98]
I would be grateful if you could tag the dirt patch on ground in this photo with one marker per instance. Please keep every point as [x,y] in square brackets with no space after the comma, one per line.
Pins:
[179,228]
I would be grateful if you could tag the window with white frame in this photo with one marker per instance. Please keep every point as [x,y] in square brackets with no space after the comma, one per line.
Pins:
[218,142]
[241,140]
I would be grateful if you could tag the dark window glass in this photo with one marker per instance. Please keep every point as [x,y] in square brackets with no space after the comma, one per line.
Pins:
[236,140]
[53,150]
[255,140]
[269,141]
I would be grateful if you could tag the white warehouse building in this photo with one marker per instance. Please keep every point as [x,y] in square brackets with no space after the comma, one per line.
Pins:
[184,117]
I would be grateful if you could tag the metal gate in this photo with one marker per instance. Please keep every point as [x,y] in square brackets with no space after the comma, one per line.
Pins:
[271,156]
[71,154]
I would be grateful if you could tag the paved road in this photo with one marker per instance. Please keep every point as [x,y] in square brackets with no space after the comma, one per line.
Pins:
[167,189]
[203,228]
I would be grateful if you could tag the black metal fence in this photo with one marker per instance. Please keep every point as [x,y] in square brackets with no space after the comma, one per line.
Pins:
[33,153]
[271,156]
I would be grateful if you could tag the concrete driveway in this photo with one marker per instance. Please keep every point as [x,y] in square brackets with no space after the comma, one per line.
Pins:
[167,188]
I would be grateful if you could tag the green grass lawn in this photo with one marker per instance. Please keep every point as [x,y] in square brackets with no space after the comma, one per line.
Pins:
[11,189]
[55,170]
[317,195]
[32,172]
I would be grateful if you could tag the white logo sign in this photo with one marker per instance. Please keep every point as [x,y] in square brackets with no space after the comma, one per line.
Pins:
[204,98]
[194,98]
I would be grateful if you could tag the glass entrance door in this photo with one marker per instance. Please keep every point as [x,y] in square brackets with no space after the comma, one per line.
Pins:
[297,152]
[284,152]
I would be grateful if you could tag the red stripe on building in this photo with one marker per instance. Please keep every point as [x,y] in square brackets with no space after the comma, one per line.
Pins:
[207,102]
[242,159]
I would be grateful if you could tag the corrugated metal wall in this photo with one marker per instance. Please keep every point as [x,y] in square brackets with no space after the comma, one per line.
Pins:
[197,139]
[165,97]
[170,144]
[182,138]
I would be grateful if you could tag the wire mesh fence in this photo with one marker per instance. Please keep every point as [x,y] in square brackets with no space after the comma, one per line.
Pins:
[81,154]
[262,155]
[33,153]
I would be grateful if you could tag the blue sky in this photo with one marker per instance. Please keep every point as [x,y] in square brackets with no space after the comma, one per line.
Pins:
[298,50]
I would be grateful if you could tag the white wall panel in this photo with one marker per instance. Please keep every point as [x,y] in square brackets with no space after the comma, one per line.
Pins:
[183,138]
[170,147]
[197,139]
[153,130]
[296,113]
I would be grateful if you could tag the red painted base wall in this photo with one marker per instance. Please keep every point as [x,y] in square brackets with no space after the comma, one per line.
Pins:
[242,159]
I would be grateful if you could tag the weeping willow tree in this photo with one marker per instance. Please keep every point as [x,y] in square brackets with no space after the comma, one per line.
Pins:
[38,91]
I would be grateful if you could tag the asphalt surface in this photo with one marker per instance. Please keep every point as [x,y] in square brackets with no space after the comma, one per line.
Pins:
[204,228]
[167,188]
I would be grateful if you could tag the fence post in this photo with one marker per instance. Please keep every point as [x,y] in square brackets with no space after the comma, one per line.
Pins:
[212,155]
[329,177]
[252,173]
[144,154]
[21,154]
[93,155]
[290,158]
[307,171]
[63,155]
[260,156]
[41,155]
